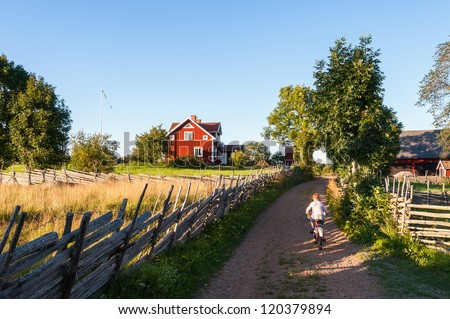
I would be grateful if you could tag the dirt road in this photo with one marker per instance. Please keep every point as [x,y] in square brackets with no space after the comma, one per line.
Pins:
[278,259]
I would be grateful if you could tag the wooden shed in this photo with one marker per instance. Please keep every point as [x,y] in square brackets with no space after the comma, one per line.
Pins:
[443,169]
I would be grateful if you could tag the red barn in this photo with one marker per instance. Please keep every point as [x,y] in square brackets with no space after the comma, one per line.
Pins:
[192,137]
[419,152]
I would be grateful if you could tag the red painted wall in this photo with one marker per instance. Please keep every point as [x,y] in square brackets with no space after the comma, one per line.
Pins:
[181,147]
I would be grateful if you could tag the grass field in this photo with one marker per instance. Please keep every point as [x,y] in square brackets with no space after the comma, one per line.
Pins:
[147,169]
[47,206]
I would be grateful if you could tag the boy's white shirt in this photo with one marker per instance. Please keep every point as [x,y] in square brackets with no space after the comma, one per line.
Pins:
[317,209]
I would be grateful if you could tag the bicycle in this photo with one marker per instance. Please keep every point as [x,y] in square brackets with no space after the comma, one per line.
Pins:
[318,233]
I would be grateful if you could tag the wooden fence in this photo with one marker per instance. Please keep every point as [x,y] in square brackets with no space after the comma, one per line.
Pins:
[59,177]
[81,261]
[405,189]
[429,224]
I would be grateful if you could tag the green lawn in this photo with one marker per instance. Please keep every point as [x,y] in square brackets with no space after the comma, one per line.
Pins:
[135,169]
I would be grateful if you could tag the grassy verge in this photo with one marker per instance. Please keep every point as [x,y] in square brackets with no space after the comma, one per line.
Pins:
[153,170]
[408,269]
[186,268]
[405,268]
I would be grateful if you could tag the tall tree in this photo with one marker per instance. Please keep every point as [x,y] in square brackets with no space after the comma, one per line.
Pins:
[435,92]
[93,153]
[151,146]
[40,125]
[356,128]
[290,122]
[13,79]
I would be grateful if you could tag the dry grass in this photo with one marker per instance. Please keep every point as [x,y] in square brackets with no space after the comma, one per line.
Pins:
[47,205]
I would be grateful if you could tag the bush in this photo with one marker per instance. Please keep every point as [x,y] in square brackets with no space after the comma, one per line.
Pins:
[361,210]
[188,161]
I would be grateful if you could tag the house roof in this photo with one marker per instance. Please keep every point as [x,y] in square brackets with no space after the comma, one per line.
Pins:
[419,144]
[208,127]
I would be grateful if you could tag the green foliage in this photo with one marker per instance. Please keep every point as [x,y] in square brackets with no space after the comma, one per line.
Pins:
[291,121]
[40,125]
[237,158]
[254,153]
[362,210]
[407,268]
[188,161]
[355,127]
[34,122]
[435,86]
[93,153]
[277,158]
[435,91]
[151,146]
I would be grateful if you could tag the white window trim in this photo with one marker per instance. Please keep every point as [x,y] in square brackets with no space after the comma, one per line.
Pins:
[188,134]
[205,137]
[172,137]
[200,151]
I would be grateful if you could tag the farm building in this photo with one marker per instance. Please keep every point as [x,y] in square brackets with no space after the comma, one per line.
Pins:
[443,169]
[419,152]
[192,137]
[288,156]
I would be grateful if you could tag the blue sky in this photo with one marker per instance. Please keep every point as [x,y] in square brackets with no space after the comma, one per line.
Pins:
[161,61]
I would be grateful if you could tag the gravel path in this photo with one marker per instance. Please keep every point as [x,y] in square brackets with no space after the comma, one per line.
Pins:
[278,259]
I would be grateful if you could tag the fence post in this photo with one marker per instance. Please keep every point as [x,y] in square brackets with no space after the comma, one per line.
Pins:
[12,247]
[75,257]
[165,209]
[172,241]
[67,228]
[405,211]
[122,208]
[8,228]
[128,236]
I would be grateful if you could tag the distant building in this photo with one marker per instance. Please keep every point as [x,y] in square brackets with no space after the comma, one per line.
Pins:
[443,169]
[288,156]
[192,137]
[419,152]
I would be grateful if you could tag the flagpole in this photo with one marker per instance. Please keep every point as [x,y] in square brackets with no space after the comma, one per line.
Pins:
[101,110]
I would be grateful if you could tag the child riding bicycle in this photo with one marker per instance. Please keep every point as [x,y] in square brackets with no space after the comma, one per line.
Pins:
[316,211]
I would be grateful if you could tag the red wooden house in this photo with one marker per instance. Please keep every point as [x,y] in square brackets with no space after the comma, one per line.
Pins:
[192,137]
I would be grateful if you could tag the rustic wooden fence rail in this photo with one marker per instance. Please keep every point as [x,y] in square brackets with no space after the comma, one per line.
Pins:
[81,261]
[429,224]
[64,176]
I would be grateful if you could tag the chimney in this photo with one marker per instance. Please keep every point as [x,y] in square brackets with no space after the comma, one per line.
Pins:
[195,119]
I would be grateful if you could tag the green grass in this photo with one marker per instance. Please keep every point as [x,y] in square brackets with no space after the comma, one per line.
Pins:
[422,187]
[153,170]
[18,168]
[186,268]
[407,269]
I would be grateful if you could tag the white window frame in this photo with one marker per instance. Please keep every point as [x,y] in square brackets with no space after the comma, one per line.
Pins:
[205,137]
[188,136]
[172,137]
[188,125]
[198,151]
